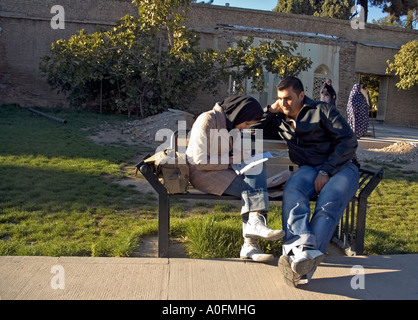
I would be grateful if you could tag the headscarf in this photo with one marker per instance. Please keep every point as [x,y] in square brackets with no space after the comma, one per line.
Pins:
[327,92]
[239,109]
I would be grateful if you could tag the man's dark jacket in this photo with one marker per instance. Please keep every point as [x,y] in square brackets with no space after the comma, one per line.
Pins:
[322,136]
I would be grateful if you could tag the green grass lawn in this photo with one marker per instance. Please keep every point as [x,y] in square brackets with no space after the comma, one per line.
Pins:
[58,197]
[392,215]
[55,194]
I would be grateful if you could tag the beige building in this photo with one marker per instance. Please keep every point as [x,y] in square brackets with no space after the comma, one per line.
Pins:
[338,50]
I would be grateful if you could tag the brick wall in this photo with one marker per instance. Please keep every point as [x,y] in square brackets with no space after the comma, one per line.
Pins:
[26,35]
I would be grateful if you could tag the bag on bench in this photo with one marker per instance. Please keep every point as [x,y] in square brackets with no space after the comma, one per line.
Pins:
[172,170]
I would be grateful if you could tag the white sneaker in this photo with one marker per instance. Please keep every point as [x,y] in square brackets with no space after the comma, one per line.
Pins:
[307,277]
[303,261]
[290,277]
[256,229]
[251,250]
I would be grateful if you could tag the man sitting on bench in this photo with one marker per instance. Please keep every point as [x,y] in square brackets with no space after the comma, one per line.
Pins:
[322,143]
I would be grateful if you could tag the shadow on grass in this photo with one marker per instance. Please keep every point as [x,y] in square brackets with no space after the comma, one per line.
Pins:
[52,212]
[380,242]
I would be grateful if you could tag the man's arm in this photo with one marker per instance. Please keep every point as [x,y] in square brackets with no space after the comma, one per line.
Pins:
[344,139]
[269,123]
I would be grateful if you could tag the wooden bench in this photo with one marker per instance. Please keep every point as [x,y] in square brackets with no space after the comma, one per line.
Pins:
[349,234]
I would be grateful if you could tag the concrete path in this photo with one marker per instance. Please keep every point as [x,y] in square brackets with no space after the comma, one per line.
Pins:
[85,278]
[385,135]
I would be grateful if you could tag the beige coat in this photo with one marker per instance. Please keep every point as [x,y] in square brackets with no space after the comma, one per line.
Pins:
[210,171]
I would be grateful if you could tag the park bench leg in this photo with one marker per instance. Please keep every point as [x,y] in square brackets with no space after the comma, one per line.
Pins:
[361,226]
[163,225]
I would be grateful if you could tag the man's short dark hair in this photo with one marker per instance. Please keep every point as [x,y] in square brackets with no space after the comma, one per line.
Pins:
[291,82]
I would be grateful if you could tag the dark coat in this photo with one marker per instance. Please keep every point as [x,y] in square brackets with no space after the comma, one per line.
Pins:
[322,136]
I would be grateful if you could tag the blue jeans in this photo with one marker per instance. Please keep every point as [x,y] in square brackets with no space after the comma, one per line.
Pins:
[315,233]
[253,192]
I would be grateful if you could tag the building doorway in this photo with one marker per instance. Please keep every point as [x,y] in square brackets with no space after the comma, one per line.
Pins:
[377,86]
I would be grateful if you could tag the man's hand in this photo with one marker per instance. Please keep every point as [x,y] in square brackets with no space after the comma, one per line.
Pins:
[320,182]
[275,107]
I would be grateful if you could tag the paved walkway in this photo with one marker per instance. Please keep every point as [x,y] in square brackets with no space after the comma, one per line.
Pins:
[338,277]
[385,135]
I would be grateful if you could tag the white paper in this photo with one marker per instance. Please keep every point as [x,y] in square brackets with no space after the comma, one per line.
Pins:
[243,167]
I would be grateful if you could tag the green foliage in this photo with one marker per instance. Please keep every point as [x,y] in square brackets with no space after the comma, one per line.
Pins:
[335,9]
[339,9]
[152,63]
[397,9]
[405,65]
[409,22]
[214,236]
[105,65]
[372,85]
[392,217]
[248,61]
[296,6]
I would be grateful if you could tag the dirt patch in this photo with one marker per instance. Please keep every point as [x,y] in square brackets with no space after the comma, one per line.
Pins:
[402,153]
[152,130]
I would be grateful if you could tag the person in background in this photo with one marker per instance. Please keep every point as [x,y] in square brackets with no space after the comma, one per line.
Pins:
[358,111]
[217,177]
[328,93]
[322,143]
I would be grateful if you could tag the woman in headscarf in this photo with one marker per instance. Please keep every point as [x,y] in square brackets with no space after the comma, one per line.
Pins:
[358,111]
[328,93]
[210,153]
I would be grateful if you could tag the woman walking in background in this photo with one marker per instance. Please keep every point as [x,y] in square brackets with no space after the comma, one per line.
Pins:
[358,112]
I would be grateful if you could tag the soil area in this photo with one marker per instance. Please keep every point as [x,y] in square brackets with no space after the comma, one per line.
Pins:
[402,154]
[142,132]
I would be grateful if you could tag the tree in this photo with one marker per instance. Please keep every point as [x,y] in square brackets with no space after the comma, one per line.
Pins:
[147,65]
[153,63]
[339,9]
[335,9]
[399,8]
[247,61]
[387,21]
[306,7]
[405,65]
